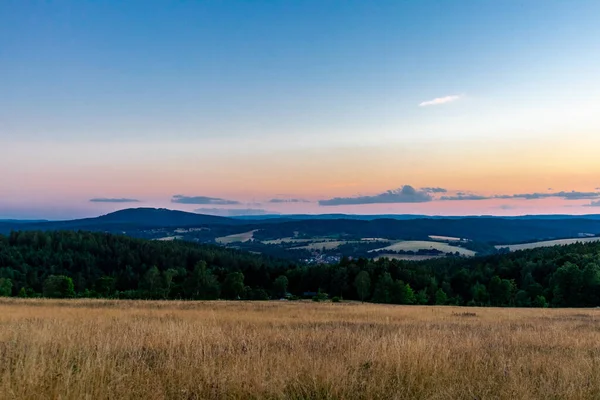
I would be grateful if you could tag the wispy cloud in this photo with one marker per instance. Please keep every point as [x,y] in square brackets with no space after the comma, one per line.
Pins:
[288,201]
[181,199]
[440,100]
[594,204]
[406,194]
[434,190]
[463,196]
[110,200]
[506,207]
[572,195]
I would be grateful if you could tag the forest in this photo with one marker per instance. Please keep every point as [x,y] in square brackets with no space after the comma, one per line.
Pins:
[63,264]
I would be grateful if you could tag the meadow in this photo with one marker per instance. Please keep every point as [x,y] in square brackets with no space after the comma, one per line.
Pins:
[239,237]
[548,243]
[101,349]
[416,245]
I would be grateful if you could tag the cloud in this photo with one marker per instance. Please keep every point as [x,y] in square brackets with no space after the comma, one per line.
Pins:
[406,194]
[181,199]
[434,190]
[572,195]
[233,212]
[464,196]
[109,200]
[440,100]
[506,207]
[594,204]
[278,201]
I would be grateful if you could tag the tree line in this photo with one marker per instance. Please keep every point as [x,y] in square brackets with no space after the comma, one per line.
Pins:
[84,264]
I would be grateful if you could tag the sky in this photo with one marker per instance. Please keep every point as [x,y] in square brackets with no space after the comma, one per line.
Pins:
[252,107]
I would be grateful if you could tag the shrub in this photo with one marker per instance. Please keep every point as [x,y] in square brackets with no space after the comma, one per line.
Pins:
[59,286]
[321,296]
[335,299]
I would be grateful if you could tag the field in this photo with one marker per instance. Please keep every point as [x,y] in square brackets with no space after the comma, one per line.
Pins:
[238,237]
[548,243]
[445,238]
[169,238]
[327,245]
[86,349]
[415,245]
[287,240]
[406,257]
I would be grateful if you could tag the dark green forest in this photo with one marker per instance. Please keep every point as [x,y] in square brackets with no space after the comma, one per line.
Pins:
[84,264]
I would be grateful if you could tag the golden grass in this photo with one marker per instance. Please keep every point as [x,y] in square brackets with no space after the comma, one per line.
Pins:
[548,243]
[415,245]
[238,237]
[445,238]
[278,350]
[287,240]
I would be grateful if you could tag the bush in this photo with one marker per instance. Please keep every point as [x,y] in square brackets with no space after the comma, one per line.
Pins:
[5,287]
[59,286]
[259,294]
[335,299]
[321,297]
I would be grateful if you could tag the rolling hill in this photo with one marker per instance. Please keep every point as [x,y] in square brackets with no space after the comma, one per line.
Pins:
[153,223]
[126,220]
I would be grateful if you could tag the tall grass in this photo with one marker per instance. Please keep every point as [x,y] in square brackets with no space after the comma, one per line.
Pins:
[276,350]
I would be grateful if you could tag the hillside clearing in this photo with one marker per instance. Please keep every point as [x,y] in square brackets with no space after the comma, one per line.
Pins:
[548,243]
[328,245]
[169,238]
[238,237]
[287,240]
[416,245]
[445,238]
[406,257]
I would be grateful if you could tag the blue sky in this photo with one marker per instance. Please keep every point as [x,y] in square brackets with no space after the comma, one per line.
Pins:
[224,93]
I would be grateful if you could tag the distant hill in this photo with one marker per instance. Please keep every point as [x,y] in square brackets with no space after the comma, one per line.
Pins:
[401,217]
[162,217]
[22,221]
[125,220]
[154,223]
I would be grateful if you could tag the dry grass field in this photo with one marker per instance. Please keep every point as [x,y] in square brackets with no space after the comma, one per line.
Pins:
[548,243]
[287,240]
[85,349]
[445,238]
[416,245]
[406,257]
[238,237]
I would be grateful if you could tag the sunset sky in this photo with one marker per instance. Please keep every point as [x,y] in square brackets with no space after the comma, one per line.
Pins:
[250,107]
